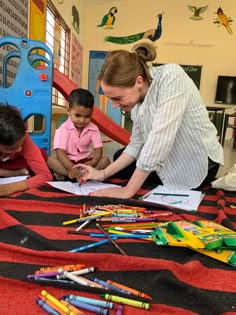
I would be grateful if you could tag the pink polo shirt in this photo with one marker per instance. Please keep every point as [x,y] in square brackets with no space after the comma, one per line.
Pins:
[77,147]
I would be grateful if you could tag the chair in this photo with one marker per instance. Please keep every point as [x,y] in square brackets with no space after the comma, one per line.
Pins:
[228,125]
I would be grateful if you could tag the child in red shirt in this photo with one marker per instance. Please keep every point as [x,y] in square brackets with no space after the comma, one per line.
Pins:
[18,154]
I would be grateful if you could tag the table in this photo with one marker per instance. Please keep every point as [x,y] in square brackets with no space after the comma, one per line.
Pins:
[219,109]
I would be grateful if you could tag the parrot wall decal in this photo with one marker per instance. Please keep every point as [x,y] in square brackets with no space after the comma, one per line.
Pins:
[197,12]
[109,18]
[152,34]
[222,19]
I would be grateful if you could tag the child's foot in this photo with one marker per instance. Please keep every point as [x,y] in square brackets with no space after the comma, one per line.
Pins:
[59,177]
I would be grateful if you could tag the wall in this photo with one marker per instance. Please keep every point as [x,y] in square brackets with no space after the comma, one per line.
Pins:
[183,40]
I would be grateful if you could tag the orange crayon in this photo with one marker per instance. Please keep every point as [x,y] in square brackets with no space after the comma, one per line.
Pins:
[55,268]
[72,308]
[52,305]
[132,291]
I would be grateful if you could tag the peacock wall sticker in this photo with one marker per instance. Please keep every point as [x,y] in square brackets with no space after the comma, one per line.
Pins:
[152,35]
[222,19]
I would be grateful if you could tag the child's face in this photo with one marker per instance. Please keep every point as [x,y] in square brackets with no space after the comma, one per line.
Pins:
[80,116]
[14,148]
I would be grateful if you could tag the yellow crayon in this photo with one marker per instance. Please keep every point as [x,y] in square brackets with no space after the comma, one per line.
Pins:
[90,217]
[121,300]
[72,307]
[57,302]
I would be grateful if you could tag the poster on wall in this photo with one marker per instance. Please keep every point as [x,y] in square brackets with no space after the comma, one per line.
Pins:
[96,59]
[13,22]
[76,61]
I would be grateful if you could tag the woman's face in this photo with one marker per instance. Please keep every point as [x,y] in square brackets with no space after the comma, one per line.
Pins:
[125,97]
[16,147]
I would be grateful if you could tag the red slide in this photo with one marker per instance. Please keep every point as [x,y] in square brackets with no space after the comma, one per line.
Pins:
[107,126]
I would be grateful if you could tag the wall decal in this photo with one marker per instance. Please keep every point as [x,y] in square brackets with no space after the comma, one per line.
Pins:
[152,35]
[197,11]
[109,19]
[76,19]
[222,19]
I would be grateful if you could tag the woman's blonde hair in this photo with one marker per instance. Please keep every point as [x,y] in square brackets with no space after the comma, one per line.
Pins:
[121,67]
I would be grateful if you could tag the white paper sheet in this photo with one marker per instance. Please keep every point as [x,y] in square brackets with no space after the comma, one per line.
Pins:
[8,180]
[80,189]
[181,199]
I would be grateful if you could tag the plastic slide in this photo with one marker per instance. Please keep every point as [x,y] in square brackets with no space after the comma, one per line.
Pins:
[107,126]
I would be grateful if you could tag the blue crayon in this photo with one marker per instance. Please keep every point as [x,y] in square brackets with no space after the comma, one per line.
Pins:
[46,307]
[100,303]
[110,286]
[89,307]
[54,280]
[82,248]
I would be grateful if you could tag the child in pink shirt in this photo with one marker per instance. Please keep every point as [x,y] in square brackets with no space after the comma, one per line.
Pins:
[77,139]
[19,155]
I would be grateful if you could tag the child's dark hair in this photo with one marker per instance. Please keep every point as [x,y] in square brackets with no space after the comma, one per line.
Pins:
[12,126]
[81,97]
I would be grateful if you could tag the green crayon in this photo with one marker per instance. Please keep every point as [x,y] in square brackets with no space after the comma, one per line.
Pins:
[121,300]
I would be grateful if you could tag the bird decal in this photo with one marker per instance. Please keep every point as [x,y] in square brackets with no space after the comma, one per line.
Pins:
[109,18]
[222,19]
[197,11]
[152,35]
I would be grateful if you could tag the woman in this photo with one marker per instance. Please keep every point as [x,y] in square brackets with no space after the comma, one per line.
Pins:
[172,135]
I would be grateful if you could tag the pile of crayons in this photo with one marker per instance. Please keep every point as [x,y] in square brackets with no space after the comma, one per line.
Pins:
[125,222]
[71,304]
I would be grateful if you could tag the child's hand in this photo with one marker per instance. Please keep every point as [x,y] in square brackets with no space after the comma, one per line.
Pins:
[75,173]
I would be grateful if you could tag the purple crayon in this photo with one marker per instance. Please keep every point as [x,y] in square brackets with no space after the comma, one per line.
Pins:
[43,275]
[119,310]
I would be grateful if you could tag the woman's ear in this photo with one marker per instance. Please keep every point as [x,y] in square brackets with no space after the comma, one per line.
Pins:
[139,81]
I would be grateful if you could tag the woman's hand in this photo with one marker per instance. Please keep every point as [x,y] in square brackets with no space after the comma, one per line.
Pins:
[88,172]
[116,192]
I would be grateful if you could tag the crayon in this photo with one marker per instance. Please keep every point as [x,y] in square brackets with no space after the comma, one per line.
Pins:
[121,300]
[82,248]
[90,307]
[46,307]
[132,291]
[167,194]
[74,278]
[72,307]
[78,272]
[89,301]
[83,225]
[43,275]
[56,302]
[91,217]
[110,286]
[52,305]
[119,310]
[111,240]
[65,267]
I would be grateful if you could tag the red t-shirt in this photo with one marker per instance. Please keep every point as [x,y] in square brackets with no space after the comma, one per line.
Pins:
[29,157]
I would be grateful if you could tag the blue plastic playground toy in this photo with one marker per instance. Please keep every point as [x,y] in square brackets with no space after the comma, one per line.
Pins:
[31,91]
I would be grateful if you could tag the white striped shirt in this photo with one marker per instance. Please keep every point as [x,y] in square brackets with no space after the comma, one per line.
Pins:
[172,133]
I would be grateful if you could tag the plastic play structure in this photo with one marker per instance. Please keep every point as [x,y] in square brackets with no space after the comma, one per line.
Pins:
[31,91]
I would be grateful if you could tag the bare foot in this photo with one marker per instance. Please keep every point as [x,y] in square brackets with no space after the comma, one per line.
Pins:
[59,177]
